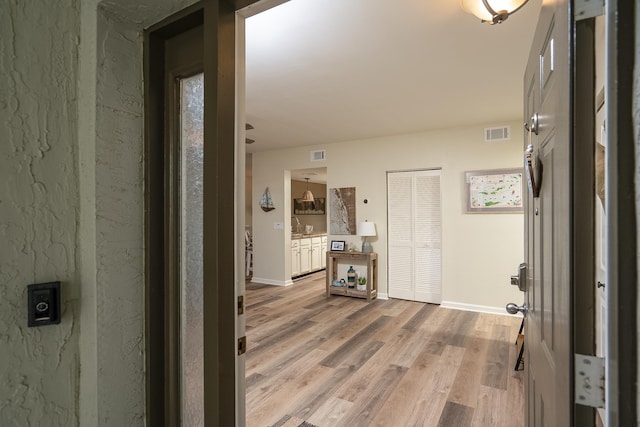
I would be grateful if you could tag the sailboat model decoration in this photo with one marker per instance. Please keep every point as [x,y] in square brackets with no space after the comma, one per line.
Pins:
[266,202]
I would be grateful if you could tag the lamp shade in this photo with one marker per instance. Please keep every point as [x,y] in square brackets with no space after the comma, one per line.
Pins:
[366,228]
[307,196]
[492,11]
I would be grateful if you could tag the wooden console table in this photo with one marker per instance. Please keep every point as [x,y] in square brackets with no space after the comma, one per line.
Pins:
[334,258]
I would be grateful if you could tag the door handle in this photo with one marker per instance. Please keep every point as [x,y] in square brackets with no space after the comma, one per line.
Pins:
[534,124]
[515,309]
[520,280]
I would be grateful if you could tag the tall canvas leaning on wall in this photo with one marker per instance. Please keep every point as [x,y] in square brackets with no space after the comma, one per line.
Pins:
[342,210]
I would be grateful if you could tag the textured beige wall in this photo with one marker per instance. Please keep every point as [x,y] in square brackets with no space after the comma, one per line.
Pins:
[112,386]
[38,208]
[71,208]
[480,251]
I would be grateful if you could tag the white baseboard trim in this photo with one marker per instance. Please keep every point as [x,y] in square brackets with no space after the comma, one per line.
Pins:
[477,308]
[271,281]
[382,296]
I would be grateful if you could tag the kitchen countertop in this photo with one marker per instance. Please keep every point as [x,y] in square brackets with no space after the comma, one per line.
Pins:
[304,235]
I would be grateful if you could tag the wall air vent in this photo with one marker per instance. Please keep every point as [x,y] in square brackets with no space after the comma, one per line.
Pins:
[318,155]
[497,134]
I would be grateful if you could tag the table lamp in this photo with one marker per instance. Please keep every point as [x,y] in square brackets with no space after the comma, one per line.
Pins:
[366,229]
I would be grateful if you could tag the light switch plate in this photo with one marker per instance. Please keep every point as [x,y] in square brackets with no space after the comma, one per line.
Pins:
[43,304]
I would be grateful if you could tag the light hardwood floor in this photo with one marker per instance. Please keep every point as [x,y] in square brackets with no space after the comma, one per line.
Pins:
[341,361]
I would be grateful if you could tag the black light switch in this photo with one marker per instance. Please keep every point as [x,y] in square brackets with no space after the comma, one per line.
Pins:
[44,303]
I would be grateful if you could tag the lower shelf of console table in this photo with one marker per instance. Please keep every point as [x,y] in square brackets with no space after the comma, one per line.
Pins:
[371,259]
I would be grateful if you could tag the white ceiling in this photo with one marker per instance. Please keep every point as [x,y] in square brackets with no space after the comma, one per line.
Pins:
[321,71]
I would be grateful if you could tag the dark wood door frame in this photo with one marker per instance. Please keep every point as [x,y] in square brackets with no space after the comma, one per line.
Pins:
[162,291]
[583,217]
[622,277]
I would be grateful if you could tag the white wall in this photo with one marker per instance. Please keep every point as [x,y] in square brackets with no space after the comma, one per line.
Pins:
[480,251]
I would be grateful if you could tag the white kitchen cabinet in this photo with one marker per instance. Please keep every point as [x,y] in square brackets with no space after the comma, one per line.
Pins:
[308,254]
[295,257]
[316,253]
[323,252]
[305,255]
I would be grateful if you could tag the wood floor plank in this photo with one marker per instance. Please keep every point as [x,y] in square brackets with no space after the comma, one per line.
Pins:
[373,369]
[345,350]
[399,406]
[466,385]
[276,364]
[331,412]
[263,388]
[408,347]
[497,362]
[366,309]
[459,328]
[368,404]
[310,404]
[336,311]
[285,331]
[344,361]
[455,414]
[433,396]
[420,317]
[495,409]
[273,400]
[260,360]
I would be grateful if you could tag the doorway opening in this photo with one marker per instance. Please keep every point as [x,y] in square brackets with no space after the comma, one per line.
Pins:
[359,159]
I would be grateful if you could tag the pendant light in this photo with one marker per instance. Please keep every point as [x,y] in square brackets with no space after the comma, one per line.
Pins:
[307,196]
[492,11]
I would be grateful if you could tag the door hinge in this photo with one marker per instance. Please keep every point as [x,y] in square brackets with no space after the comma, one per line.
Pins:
[585,9]
[242,345]
[589,380]
[240,304]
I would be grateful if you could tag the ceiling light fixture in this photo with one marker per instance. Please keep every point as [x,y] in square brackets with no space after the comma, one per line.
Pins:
[492,11]
[307,196]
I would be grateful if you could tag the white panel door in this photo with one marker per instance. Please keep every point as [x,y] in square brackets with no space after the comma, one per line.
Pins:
[548,222]
[428,238]
[400,229]
[414,256]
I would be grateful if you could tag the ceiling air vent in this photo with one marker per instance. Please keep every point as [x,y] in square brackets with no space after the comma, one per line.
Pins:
[497,134]
[318,155]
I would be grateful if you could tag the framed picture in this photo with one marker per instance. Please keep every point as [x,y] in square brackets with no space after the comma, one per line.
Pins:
[317,207]
[337,245]
[342,215]
[494,191]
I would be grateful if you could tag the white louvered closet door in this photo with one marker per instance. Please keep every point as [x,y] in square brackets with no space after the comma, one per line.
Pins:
[415,235]
[400,229]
